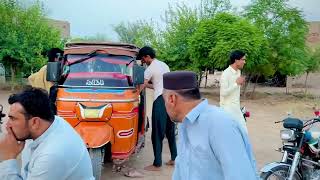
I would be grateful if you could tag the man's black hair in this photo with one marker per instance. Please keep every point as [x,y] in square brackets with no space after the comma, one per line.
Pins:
[146,50]
[236,55]
[35,102]
[53,53]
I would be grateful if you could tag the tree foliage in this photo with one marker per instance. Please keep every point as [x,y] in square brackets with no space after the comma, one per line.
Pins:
[312,63]
[200,38]
[285,29]
[96,38]
[215,38]
[25,36]
[140,33]
[171,42]
[209,8]
[181,22]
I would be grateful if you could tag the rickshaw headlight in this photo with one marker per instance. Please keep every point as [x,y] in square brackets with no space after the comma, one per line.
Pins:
[93,113]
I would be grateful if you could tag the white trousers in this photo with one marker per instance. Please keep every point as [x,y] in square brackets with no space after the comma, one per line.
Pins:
[235,111]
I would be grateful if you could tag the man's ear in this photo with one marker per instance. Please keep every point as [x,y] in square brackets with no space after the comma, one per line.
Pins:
[173,98]
[147,57]
[34,123]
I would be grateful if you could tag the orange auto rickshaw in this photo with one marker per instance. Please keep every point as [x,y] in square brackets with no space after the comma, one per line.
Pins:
[96,87]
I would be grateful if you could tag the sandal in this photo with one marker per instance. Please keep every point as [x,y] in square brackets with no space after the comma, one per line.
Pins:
[134,174]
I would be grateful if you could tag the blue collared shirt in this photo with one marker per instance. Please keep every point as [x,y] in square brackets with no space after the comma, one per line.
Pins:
[58,154]
[213,146]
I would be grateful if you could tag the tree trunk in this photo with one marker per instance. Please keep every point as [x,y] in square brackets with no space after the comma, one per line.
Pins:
[246,85]
[206,74]
[287,89]
[254,87]
[305,84]
[12,76]
[200,78]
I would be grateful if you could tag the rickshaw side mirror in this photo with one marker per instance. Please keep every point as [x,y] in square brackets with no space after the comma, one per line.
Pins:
[138,74]
[53,71]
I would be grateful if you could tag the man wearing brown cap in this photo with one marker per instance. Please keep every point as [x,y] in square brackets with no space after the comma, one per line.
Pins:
[161,124]
[211,144]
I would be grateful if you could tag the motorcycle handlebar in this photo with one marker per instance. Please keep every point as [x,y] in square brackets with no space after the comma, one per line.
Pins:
[311,121]
[279,121]
[305,122]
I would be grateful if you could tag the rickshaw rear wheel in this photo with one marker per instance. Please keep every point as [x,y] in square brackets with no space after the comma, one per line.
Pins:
[96,156]
[107,154]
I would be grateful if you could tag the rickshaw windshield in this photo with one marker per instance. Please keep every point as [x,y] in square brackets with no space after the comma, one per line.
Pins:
[99,70]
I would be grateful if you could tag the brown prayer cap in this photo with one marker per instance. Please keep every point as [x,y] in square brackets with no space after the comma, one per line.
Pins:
[178,80]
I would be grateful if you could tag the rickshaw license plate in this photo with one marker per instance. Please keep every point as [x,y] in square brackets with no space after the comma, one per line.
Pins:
[95,82]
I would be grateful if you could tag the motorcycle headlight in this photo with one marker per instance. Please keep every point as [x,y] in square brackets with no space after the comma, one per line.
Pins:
[287,135]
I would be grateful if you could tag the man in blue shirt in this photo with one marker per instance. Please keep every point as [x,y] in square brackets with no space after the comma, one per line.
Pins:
[211,145]
[51,148]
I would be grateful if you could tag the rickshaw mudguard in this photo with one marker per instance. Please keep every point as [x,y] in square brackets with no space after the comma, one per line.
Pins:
[95,134]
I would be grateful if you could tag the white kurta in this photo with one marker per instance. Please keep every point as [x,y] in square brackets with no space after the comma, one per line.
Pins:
[154,72]
[230,95]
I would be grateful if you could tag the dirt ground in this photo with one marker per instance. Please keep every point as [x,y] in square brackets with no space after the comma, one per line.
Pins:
[269,105]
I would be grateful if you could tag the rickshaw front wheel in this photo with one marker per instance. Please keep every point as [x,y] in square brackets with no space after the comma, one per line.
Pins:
[96,156]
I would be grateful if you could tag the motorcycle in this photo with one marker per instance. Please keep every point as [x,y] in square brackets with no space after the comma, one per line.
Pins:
[301,152]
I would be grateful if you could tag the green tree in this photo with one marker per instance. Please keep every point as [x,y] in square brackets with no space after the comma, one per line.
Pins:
[181,22]
[285,29]
[172,42]
[211,44]
[209,8]
[140,33]
[96,38]
[312,64]
[25,36]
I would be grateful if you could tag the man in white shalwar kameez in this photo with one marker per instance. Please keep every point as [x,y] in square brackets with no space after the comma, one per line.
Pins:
[230,83]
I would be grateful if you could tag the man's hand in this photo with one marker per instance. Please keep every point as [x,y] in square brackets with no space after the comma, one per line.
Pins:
[148,84]
[241,80]
[10,148]
[139,88]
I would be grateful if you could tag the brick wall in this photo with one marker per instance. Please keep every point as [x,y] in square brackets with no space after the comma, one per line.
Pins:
[63,26]
[313,40]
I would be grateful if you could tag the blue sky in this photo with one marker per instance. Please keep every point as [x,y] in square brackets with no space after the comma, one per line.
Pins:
[91,17]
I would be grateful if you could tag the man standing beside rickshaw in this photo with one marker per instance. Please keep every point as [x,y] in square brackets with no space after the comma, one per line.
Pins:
[161,124]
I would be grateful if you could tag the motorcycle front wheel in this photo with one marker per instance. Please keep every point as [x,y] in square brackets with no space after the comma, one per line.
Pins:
[280,172]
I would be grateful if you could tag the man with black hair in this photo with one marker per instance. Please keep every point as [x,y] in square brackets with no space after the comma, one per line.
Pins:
[39,79]
[51,148]
[230,83]
[211,144]
[161,124]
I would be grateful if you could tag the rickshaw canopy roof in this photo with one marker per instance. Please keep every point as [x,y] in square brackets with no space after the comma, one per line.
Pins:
[104,47]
